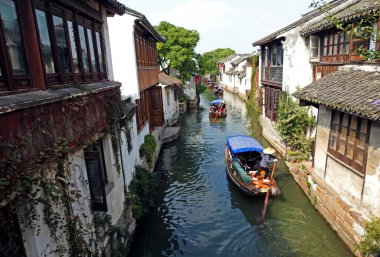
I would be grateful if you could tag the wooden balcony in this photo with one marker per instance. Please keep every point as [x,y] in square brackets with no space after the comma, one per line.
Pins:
[40,126]
[272,75]
[322,69]
[148,77]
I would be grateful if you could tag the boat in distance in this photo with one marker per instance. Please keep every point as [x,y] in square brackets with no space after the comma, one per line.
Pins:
[218,109]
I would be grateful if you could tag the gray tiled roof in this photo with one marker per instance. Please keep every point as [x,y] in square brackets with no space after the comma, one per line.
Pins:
[115,6]
[228,58]
[360,9]
[352,91]
[242,75]
[168,80]
[306,17]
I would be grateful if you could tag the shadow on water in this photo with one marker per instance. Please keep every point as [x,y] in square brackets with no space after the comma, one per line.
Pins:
[200,213]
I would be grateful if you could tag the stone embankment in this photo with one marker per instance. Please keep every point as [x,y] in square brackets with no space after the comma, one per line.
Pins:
[342,218]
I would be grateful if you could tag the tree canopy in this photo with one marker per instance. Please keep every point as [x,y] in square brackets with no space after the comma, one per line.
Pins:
[179,50]
[208,60]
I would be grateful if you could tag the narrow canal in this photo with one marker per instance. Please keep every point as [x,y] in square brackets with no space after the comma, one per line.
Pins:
[200,213]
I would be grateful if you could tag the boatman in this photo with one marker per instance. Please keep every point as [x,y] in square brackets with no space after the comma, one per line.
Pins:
[264,163]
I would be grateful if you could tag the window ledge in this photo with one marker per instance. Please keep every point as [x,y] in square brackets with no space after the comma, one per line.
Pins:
[108,188]
[12,103]
[345,165]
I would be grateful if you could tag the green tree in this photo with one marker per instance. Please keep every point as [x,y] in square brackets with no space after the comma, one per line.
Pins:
[208,60]
[179,50]
[360,28]
[294,123]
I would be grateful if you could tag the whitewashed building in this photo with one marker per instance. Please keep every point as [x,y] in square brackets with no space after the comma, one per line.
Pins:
[133,44]
[235,74]
[55,115]
[284,63]
[170,93]
[345,175]
[342,182]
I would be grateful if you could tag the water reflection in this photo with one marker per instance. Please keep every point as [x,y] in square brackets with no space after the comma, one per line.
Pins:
[200,213]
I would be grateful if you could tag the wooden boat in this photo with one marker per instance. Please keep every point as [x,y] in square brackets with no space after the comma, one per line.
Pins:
[243,152]
[218,91]
[218,109]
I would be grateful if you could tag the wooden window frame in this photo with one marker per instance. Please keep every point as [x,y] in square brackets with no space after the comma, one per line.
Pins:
[8,81]
[315,45]
[272,101]
[100,174]
[353,55]
[333,148]
[77,19]
[142,114]
[11,238]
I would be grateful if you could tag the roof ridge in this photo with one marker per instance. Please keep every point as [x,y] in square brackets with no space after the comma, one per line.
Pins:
[306,17]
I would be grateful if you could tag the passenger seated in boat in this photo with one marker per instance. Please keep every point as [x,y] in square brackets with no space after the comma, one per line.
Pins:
[243,162]
[253,160]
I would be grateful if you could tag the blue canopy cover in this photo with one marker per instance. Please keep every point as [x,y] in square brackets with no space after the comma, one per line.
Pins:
[241,144]
[217,101]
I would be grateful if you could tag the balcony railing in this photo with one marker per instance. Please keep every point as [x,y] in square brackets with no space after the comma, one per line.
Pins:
[40,119]
[273,74]
[148,77]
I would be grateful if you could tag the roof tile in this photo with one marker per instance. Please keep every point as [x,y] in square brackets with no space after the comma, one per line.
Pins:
[353,91]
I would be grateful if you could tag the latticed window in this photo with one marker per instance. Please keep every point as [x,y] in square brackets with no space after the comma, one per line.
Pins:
[272,100]
[14,72]
[349,139]
[71,45]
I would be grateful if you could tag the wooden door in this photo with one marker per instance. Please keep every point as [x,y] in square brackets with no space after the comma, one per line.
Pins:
[156,107]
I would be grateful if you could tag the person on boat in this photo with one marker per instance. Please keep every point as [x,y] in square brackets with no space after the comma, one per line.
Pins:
[264,163]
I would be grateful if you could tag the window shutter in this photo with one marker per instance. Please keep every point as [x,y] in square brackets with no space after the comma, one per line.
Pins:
[95,169]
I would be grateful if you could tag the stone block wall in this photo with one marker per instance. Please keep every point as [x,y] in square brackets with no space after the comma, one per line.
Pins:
[344,219]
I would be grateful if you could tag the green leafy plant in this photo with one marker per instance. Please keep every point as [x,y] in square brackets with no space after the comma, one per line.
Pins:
[293,124]
[371,243]
[142,189]
[148,148]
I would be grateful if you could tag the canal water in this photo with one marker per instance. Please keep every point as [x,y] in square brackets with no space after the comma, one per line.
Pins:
[200,213]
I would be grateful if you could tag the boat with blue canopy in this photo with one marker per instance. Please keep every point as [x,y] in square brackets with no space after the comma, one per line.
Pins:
[243,157]
[218,109]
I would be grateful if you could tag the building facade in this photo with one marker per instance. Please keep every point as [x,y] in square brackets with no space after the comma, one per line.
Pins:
[235,72]
[345,176]
[170,92]
[60,168]
[133,44]
[284,64]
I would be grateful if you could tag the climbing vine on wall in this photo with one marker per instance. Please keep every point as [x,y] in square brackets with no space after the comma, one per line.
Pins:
[255,90]
[115,110]
[46,180]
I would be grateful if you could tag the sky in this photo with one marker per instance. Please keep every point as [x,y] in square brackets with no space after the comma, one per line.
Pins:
[234,24]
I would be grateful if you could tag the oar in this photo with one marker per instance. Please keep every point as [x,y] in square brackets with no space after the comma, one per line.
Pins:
[264,210]
[217,111]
